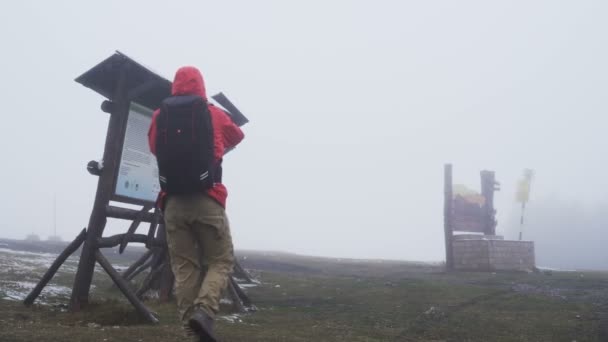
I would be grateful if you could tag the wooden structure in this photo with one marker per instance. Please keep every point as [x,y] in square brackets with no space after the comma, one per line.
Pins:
[461,214]
[123,81]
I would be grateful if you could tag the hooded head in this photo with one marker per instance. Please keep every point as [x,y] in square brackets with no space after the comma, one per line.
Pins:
[188,81]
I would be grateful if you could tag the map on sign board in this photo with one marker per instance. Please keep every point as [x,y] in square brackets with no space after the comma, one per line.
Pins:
[138,171]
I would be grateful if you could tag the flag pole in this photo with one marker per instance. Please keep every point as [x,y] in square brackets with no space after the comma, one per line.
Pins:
[521,222]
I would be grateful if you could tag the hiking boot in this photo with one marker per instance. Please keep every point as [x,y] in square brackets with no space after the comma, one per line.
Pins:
[201,324]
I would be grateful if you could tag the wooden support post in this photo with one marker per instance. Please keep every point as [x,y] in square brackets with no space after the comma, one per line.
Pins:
[133,228]
[241,273]
[145,266]
[167,279]
[161,235]
[137,263]
[236,300]
[447,217]
[105,184]
[488,186]
[240,293]
[150,278]
[152,229]
[122,285]
[69,250]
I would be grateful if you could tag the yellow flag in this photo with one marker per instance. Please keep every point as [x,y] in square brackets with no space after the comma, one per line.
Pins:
[523,186]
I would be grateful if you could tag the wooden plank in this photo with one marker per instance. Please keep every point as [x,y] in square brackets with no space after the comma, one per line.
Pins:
[241,273]
[127,214]
[235,114]
[145,87]
[115,240]
[142,268]
[240,293]
[152,229]
[236,300]
[167,280]
[150,278]
[123,244]
[122,285]
[48,275]
[137,263]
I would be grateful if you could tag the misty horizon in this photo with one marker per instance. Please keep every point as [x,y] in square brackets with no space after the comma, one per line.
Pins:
[354,108]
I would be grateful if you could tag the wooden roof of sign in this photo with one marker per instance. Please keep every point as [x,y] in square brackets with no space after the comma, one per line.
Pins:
[144,86]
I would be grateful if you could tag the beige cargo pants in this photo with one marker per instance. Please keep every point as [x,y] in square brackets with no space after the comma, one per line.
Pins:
[198,235]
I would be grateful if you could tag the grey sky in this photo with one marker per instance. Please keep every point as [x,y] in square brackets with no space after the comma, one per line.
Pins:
[354,108]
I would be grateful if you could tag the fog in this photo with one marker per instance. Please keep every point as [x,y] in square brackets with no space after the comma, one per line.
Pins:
[567,234]
[354,106]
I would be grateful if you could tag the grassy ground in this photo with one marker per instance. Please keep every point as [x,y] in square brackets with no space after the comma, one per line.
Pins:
[314,299]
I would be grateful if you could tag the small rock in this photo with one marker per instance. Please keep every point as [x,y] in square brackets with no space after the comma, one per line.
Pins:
[434,313]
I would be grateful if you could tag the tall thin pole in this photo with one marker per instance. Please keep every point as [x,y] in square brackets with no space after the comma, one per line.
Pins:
[523,195]
[447,216]
[488,186]
[54,215]
[521,221]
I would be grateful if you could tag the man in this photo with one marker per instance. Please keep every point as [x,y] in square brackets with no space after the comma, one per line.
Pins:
[194,213]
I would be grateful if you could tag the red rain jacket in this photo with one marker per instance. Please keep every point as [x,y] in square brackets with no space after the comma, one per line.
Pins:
[189,81]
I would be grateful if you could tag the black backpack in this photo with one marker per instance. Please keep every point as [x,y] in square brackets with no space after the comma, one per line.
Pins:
[185,145]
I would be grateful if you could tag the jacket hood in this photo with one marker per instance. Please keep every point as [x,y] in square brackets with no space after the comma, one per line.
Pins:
[188,81]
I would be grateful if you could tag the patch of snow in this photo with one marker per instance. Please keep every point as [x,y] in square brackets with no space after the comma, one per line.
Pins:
[21,262]
[235,318]
[120,268]
[18,290]
[24,284]
[541,268]
[12,251]
[153,294]
[20,272]
[543,290]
